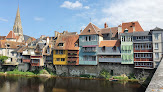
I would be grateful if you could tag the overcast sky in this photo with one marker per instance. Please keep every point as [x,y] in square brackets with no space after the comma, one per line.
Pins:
[43,17]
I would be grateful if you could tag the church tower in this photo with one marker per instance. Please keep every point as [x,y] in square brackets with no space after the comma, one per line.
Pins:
[17,28]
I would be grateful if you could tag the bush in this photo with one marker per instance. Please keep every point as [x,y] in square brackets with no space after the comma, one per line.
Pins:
[105,74]
[3,58]
[131,76]
[120,77]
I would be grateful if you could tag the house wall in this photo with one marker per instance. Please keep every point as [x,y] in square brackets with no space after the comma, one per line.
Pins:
[160,48]
[86,43]
[55,56]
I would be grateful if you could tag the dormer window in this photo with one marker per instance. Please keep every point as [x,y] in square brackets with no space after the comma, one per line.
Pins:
[76,44]
[126,30]
[103,48]
[8,45]
[60,44]
[89,30]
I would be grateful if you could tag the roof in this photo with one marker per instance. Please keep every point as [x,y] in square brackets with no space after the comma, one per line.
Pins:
[69,42]
[130,25]
[93,30]
[113,30]
[20,49]
[157,29]
[110,43]
[13,45]
[143,33]
[2,37]
[11,35]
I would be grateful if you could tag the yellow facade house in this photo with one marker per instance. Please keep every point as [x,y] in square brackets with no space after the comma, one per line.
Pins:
[60,57]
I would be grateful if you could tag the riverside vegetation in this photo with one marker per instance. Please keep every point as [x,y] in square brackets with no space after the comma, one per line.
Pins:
[104,74]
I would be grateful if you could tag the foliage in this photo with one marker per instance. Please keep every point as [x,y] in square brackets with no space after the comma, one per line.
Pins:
[87,76]
[120,77]
[3,58]
[131,76]
[105,74]
[43,71]
[1,72]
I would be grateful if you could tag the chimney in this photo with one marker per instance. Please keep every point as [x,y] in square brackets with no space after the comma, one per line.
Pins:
[80,30]
[47,40]
[105,25]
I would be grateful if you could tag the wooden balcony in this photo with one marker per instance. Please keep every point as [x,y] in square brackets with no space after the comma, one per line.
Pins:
[26,60]
[35,64]
[143,59]
[143,50]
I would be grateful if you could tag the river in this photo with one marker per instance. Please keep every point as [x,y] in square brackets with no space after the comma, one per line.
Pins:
[36,84]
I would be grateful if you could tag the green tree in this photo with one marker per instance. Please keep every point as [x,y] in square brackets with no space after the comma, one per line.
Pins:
[3,58]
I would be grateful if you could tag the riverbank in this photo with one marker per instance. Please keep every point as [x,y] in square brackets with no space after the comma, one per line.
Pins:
[31,74]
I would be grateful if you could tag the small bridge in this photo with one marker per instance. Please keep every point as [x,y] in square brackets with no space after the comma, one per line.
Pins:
[156,84]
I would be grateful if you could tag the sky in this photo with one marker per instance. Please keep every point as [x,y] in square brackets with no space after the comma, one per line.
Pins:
[43,17]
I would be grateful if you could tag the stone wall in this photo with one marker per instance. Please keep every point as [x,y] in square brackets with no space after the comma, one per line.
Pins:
[23,67]
[113,68]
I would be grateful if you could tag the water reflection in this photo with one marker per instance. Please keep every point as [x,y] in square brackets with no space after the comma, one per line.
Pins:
[35,84]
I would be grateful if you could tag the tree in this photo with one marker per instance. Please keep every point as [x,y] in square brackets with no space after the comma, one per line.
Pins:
[3,58]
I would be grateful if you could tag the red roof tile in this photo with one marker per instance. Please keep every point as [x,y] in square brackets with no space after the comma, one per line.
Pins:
[110,43]
[11,35]
[130,25]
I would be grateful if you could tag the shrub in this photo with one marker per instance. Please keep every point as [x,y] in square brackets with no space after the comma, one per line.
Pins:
[105,74]
[3,58]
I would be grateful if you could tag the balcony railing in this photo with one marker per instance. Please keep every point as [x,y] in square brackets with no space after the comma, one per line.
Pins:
[26,60]
[82,62]
[114,60]
[89,50]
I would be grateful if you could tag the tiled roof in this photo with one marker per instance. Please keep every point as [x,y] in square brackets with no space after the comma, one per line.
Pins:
[110,43]
[93,30]
[68,42]
[113,30]
[12,44]
[20,49]
[11,35]
[130,25]
[2,37]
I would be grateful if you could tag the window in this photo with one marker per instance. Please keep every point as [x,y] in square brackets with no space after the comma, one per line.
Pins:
[62,59]
[114,48]
[12,54]
[156,36]
[89,30]
[156,55]
[93,38]
[85,58]
[93,58]
[60,44]
[58,59]
[89,38]
[86,38]
[136,46]
[76,44]
[61,52]
[83,38]
[156,45]
[56,52]
[103,49]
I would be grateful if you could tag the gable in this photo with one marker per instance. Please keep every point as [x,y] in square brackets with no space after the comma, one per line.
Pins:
[90,30]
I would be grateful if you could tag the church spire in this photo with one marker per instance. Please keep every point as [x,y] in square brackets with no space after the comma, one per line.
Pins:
[17,28]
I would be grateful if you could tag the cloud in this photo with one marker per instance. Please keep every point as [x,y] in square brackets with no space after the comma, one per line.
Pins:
[2,19]
[38,19]
[147,12]
[75,5]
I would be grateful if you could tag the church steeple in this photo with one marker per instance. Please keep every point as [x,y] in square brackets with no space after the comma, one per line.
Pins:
[17,28]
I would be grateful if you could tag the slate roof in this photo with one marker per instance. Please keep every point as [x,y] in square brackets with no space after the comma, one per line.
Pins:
[143,33]
[110,43]
[157,29]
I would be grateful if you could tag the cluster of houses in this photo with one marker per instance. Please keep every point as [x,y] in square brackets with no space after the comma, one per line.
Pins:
[126,44]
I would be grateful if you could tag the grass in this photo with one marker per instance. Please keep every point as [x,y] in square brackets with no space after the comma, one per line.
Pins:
[1,72]
[120,77]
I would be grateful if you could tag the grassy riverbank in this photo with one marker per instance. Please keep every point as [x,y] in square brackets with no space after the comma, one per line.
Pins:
[104,75]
